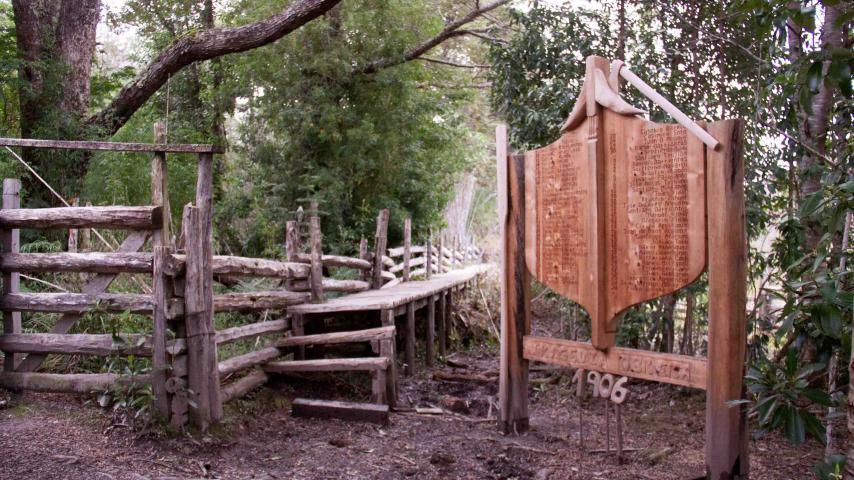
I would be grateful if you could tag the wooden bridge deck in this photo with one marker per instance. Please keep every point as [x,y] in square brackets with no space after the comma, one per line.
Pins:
[395,296]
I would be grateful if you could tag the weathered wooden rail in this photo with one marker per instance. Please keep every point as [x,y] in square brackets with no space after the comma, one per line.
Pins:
[189,382]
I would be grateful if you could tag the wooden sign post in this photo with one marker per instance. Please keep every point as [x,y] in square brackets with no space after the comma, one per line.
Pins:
[618,211]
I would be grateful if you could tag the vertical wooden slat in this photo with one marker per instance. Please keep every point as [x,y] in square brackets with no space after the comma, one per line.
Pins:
[431,328]
[442,321]
[11,240]
[428,259]
[515,289]
[441,254]
[292,243]
[161,243]
[380,243]
[410,338]
[298,330]
[363,255]
[73,233]
[387,350]
[86,237]
[449,319]
[198,301]
[316,256]
[726,427]
[407,247]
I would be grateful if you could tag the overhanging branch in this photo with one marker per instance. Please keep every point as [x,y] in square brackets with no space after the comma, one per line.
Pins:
[451,30]
[204,45]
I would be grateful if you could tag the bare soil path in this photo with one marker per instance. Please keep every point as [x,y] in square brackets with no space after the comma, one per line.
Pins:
[57,437]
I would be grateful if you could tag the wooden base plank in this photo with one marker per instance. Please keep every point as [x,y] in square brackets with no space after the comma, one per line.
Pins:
[350,411]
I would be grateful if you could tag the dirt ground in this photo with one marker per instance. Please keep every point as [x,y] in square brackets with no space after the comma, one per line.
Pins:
[60,437]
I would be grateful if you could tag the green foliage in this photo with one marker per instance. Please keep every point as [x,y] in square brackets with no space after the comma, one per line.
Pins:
[356,143]
[783,397]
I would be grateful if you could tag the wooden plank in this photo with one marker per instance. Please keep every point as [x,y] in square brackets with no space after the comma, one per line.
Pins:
[66,383]
[234,334]
[380,243]
[244,385]
[198,307]
[257,301]
[410,339]
[78,303]
[247,360]
[442,323]
[726,427]
[328,365]
[332,285]
[363,255]
[654,366]
[388,351]
[367,335]
[337,261]
[111,146]
[76,344]
[316,275]
[11,243]
[251,267]
[414,262]
[428,257]
[431,329]
[407,248]
[413,249]
[96,285]
[515,289]
[129,218]
[355,412]
[97,262]
[162,281]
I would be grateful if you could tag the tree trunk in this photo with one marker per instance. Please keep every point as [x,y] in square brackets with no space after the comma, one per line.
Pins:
[668,305]
[686,346]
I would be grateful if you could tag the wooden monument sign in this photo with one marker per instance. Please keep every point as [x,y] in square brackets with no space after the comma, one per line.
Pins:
[620,210]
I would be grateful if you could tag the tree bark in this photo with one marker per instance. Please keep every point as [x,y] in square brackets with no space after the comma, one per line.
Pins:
[686,347]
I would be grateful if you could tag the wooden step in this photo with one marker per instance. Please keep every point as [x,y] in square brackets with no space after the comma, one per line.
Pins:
[134,218]
[359,412]
[329,365]
[338,337]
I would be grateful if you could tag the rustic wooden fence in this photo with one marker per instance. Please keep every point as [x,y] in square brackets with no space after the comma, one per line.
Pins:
[186,374]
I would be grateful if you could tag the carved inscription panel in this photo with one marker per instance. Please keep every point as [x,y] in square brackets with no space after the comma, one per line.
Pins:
[615,214]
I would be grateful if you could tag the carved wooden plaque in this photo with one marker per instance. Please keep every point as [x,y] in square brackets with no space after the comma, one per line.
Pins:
[658,367]
[615,214]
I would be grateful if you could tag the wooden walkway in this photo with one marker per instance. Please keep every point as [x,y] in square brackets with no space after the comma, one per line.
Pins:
[396,296]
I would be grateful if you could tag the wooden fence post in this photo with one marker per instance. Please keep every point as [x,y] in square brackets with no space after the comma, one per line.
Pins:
[198,303]
[387,350]
[515,289]
[380,244]
[442,321]
[11,239]
[316,255]
[363,255]
[441,254]
[161,241]
[431,328]
[73,233]
[428,256]
[726,427]
[407,247]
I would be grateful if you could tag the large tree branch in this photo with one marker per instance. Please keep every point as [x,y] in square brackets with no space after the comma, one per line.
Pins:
[204,46]
[451,30]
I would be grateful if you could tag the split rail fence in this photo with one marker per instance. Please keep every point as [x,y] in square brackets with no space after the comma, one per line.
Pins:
[186,375]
